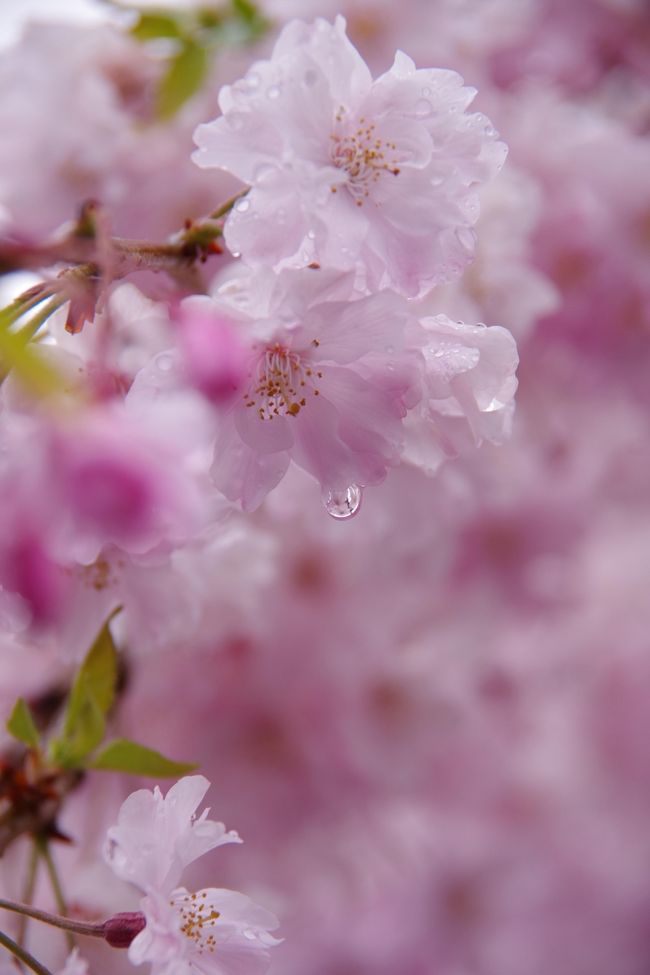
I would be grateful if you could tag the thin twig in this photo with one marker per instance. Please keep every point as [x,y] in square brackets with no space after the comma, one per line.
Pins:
[23,955]
[91,929]
[28,890]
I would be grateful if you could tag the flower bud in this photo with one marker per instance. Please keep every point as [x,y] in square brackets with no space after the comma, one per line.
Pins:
[121,929]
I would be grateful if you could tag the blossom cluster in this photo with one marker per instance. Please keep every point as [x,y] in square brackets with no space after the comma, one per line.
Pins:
[359,196]
[253,257]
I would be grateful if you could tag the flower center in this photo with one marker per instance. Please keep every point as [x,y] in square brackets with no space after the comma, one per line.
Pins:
[197,921]
[280,383]
[363,156]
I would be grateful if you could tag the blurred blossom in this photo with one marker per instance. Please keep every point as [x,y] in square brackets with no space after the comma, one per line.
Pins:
[430,722]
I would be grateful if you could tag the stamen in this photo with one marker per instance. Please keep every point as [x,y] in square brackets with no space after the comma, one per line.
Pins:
[197,922]
[363,156]
[281,381]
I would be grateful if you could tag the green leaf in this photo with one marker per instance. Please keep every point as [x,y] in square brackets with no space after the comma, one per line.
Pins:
[256,23]
[151,26]
[97,677]
[90,699]
[246,10]
[123,755]
[186,74]
[21,724]
[81,738]
[18,354]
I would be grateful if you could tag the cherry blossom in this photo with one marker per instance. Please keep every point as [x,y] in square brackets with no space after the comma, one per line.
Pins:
[157,836]
[329,382]
[212,930]
[349,172]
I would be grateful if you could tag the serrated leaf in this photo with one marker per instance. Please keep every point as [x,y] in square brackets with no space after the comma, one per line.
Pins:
[96,678]
[90,699]
[186,74]
[123,755]
[81,738]
[152,26]
[21,724]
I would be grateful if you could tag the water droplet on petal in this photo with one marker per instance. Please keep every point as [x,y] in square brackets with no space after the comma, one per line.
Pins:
[253,79]
[235,121]
[466,238]
[343,504]
[242,206]
[273,92]
[236,253]
[164,361]
[263,171]
[426,91]
[311,234]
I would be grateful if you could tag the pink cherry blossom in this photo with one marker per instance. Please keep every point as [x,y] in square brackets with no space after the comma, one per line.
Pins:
[157,836]
[209,932]
[469,384]
[347,171]
[329,383]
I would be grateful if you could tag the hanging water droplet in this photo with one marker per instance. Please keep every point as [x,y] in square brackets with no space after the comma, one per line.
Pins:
[242,206]
[273,92]
[343,504]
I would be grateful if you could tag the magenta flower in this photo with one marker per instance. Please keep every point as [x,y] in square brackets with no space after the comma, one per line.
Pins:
[351,172]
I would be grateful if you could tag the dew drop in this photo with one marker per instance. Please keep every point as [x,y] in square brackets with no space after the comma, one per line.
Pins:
[235,121]
[253,80]
[236,253]
[426,91]
[262,171]
[311,234]
[466,238]
[343,504]
[273,92]
[242,206]
[164,361]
